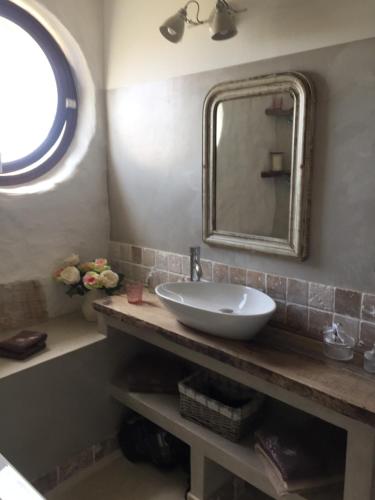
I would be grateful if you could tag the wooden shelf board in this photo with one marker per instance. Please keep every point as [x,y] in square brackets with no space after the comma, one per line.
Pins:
[238,458]
[279,112]
[274,173]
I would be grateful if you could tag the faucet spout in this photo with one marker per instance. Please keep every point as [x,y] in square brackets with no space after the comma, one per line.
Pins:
[195,264]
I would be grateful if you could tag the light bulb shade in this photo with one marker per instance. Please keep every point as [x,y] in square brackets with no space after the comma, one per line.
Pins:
[173,28]
[222,25]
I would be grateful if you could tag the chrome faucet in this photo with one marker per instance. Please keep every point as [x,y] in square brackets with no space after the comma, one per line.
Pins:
[195,264]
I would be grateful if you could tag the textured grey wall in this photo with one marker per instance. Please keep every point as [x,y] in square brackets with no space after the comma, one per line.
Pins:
[53,411]
[155,164]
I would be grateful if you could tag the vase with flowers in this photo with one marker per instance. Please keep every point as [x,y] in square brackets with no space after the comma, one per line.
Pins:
[90,279]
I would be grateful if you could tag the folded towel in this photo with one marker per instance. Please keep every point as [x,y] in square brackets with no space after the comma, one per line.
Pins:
[23,345]
[310,452]
[20,356]
[283,487]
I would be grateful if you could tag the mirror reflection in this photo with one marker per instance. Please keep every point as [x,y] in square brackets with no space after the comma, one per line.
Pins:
[254,150]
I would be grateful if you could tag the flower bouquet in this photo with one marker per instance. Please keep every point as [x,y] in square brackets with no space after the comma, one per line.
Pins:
[94,275]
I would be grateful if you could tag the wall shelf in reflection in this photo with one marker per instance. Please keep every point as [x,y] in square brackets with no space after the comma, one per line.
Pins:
[288,113]
[274,173]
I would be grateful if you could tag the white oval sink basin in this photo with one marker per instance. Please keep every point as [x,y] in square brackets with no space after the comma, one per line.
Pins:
[225,310]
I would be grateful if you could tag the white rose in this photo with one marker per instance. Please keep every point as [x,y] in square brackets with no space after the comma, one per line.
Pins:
[72,260]
[70,275]
[109,279]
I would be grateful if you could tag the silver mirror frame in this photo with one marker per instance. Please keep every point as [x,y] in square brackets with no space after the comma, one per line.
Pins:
[296,245]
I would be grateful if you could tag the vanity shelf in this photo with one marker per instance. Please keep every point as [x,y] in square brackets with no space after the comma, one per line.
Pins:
[287,113]
[238,458]
[287,368]
[274,173]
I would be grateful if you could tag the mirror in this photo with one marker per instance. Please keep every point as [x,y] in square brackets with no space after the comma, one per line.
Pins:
[256,165]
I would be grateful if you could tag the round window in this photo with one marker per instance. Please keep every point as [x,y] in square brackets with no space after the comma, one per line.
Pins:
[38,98]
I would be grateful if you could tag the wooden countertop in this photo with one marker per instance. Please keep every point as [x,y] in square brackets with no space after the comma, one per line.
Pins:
[286,360]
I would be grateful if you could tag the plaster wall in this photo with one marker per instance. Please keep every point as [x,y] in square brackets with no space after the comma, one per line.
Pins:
[155,164]
[135,50]
[57,409]
[53,411]
[39,228]
[155,96]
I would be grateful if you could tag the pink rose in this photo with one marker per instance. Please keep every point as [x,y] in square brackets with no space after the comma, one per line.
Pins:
[91,280]
[101,265]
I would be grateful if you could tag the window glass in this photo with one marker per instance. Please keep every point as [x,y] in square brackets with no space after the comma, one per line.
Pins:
[28,93]
[38,98]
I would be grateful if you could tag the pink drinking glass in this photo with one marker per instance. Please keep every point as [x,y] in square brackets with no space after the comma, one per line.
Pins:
[134,292]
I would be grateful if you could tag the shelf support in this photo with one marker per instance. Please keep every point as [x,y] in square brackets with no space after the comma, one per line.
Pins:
[207,477]
[360,464]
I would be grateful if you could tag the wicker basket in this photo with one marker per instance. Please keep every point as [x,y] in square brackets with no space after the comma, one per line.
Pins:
[200,401]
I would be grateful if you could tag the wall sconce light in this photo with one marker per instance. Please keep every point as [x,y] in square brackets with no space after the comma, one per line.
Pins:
[222,22]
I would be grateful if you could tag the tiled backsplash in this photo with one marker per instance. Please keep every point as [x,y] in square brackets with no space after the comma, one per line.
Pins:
[75,465]
[302,307]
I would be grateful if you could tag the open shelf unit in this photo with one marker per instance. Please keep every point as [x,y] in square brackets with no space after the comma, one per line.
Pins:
[238,458]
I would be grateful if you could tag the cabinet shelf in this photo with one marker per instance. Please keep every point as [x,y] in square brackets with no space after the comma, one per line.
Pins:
[239,458]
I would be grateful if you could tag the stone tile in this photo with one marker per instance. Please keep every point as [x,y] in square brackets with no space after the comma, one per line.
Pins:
[105,448]
[256,280]
[348,302]
[157,278]
[321,296]
[136,255]
[175,263]
[116,266]
[220,273]
[148,257]
[318,321]
[176,278]
[297,318]
[237,275]
[349,325]
[161,260]
[127,270]
[279,317]
[368,307]
[125,252]
[185,265]
[76,464]
[206,270]
[276,287]
[46,483]
[367,335]
[140,273]
[297,291]
[114,250]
